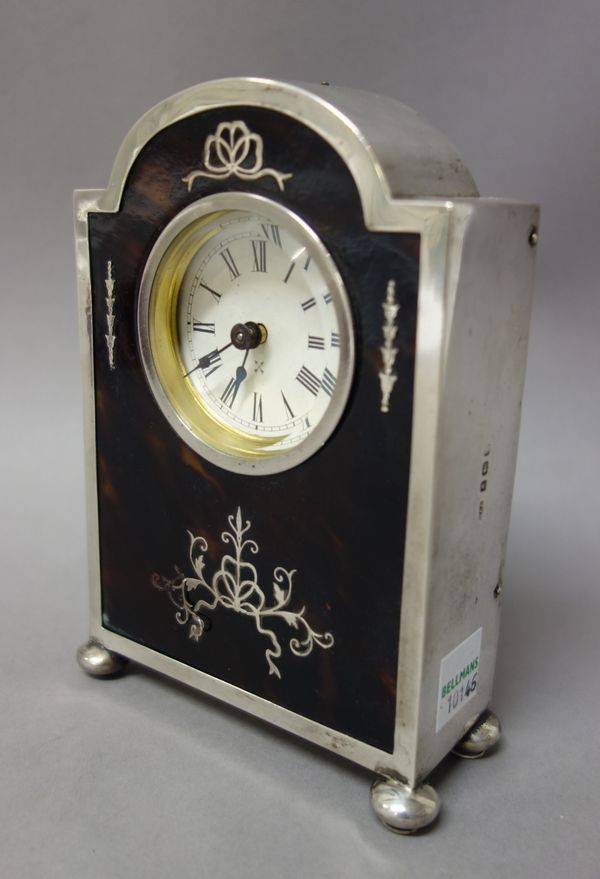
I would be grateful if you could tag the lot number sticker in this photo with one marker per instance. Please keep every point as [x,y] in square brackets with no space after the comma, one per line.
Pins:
[459,672]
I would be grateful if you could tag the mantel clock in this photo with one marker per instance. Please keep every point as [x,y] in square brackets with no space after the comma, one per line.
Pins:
[304,340]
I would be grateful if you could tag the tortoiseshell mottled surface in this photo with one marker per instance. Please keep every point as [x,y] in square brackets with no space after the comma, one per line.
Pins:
[338,518]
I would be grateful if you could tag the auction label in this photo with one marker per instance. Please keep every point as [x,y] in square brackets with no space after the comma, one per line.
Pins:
[459,672]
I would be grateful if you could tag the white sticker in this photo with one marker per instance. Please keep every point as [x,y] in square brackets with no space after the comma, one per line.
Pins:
[458,678]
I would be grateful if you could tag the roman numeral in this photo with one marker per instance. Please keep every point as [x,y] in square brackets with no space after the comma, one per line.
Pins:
[214,293]
[309,303]
[257,410]
[230,263]
[317,342]
[309,380]
[212,362]
[328,382]
[290,270]
[327,297]
[288,408]
[259,251]
[229,394]
[335,340]
[272,233]
[201,327]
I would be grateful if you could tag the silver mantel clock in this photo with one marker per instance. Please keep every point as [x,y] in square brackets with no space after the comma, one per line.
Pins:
[304,339]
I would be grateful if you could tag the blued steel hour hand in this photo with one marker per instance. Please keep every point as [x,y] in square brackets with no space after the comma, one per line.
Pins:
[230,393]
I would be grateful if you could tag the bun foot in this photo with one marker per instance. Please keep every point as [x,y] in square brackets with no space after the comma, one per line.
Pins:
[99,662]
[404,809]
[481,738]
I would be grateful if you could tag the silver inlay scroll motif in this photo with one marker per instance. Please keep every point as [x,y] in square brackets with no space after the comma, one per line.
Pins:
[234,150]
[235,585]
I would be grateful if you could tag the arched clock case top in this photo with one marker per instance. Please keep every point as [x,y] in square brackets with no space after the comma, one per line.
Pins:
[307,583]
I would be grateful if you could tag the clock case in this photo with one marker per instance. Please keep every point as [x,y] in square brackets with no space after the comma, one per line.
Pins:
[397,528]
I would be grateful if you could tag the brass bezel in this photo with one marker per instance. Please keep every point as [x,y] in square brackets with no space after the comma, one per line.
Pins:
[184,407]
[189,405]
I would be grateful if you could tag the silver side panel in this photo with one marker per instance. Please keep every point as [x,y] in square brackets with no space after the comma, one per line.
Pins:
[489,292]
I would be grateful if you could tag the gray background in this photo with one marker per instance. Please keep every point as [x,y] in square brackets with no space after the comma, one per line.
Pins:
[139,776]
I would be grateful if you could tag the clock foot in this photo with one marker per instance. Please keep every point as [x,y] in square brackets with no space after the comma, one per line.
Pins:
[99,662]
[481,738]
[404,809]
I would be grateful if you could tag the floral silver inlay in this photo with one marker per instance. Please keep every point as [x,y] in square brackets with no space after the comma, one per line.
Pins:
[234,150]
[235,585]
[387,376]
[110,337]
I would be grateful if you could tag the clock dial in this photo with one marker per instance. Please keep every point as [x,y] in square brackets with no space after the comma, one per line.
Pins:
[278,381]
[246,333]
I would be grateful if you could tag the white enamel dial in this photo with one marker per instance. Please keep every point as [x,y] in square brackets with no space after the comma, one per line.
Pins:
[256,270]
[256,325]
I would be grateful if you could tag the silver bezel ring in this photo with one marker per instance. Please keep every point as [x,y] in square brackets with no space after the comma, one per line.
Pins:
[280,460]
